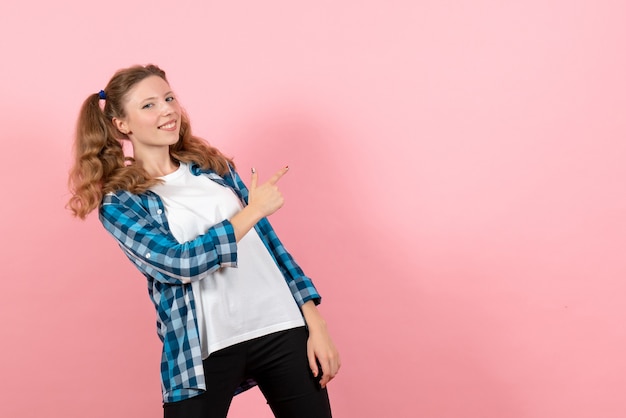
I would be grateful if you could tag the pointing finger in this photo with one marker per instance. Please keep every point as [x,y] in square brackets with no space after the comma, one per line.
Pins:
[278,175]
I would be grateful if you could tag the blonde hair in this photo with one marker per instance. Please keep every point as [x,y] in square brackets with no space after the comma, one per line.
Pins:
[100,165]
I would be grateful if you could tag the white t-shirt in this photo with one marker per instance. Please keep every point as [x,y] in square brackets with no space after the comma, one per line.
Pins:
[233,304]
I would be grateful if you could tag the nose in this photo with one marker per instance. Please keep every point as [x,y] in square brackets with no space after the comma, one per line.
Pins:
[167,108]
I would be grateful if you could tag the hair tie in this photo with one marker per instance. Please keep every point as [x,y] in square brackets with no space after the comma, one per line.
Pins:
[102,95]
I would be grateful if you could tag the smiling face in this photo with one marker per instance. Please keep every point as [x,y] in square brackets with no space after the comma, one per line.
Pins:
[152,117]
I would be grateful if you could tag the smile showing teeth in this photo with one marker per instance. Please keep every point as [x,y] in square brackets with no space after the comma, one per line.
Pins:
[168,125]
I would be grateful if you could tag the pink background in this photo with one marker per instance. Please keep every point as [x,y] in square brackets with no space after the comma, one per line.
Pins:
[457,193]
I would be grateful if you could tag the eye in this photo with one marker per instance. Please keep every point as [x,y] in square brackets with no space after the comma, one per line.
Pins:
[147,106]
[170,99]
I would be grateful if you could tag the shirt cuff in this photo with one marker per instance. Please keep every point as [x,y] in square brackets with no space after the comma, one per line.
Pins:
[225,243]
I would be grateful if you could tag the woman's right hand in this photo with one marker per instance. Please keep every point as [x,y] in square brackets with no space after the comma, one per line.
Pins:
[263,200]
[266,198]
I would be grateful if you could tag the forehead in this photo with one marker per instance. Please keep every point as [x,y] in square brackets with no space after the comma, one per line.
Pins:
[153,86]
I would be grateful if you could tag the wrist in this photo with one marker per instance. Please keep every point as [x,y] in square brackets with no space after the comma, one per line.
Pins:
[312,316]
[253,212]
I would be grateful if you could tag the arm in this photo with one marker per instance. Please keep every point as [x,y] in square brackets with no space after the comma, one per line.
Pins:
[156,253]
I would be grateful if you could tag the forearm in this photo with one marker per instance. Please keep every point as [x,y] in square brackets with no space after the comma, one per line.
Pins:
[157,253]
[244,220]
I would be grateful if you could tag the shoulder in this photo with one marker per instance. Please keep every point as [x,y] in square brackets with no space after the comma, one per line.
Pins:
[118,196]
[136,202]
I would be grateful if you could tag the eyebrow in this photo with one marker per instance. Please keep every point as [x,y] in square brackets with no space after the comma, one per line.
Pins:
[154,98]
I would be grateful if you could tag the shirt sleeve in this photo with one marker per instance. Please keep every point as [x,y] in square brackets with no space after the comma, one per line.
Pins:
[156,252]
[301,286]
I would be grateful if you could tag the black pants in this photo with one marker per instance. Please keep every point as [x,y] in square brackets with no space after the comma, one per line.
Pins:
[277,362]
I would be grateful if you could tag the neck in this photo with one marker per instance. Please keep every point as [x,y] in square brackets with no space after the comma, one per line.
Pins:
[157,165]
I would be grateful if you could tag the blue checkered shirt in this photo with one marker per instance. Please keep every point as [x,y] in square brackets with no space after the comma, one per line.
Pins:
[139,225]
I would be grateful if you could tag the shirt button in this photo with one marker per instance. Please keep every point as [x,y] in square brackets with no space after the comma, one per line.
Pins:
[148,255]
[160,211]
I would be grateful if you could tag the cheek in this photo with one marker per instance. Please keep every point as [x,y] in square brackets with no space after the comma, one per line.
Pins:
[145,121]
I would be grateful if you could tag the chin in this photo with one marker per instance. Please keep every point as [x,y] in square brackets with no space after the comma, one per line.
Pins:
[174,138]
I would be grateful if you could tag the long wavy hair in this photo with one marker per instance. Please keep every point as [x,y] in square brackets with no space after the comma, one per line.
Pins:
[100,165]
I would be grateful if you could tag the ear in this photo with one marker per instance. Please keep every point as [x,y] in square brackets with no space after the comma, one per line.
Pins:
[121,125]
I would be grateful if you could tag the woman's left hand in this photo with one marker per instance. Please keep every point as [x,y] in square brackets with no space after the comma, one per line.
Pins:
[321,350]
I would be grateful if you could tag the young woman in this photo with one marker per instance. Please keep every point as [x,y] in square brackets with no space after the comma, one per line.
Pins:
[234,309]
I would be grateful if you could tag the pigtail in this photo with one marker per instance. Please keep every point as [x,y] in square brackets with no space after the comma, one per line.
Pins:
[97,154]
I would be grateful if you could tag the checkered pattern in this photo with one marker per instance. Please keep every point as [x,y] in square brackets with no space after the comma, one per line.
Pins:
[139,225]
